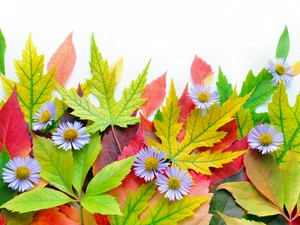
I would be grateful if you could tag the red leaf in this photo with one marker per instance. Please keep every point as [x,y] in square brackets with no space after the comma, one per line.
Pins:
[137,143]
[101,219]
[64,58]
[111,148]
[186,105]
[155,94]
[201,72]
[148,128]
[14,132]
[50,217]
[70,212]
[232,167]
[1,220]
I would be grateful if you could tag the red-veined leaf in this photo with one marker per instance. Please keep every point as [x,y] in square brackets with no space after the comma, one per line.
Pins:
[14,132]
[155,94]
[64,58]
[201,72]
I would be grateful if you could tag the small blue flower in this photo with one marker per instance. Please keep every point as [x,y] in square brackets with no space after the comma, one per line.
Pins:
[21,173]
[44,116]
[265,138]
[177,183]
[203,96]
[70,135]
[280,70]
[148,163]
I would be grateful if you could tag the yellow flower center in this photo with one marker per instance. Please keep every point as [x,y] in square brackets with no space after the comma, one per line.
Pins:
[280,70]
[265,139]
[203,96]
[174,183]
[151,163]
[45,116]
[70,135]
[22,173]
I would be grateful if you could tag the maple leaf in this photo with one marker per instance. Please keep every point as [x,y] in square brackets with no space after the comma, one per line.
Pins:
[201,72]
[155,94]
[34,89]
[287,119]
[102,85]
[14,132]
[200,132]
[64,58]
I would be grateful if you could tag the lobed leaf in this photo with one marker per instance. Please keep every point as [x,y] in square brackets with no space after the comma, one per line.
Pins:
[34,89]
[224,88]
[286,119]
[36,199]
[236,221]
[57,164]
[135,204]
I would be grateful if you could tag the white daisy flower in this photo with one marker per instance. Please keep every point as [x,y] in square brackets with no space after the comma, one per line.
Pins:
[280,70]
[203,96]
[44,116]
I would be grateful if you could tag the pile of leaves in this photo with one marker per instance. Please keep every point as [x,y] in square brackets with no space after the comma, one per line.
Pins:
[232,184]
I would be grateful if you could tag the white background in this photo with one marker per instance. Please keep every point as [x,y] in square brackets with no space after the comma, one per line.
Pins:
[236,35]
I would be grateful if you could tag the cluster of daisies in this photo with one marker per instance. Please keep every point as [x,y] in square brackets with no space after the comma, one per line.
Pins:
[21,173]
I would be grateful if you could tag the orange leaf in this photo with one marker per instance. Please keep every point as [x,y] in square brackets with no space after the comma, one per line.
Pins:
[201,72]
[155,94]
[50,217]
[64,58]
[14,132]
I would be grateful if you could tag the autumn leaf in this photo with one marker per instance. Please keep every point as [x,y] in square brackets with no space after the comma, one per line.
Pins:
[113,143]
[34,89]
[287,119]
[64,58]
[52,216]
[13,218]
[14,132]
[102,85]
[2,53]
[236,221]
[200,132]
[155,94]
[201,72]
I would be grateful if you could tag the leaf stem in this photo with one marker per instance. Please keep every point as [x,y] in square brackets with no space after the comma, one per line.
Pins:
[114,134]
[81,216]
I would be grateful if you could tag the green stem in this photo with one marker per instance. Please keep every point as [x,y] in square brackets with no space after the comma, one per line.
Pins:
[81,216]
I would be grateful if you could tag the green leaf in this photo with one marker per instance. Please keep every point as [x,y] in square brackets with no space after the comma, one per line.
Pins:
[104,204]
[57,164]
[265,175]
[2,53]
[247,196]
[135,204]
[244,122]
[223,201]
[102,85]
[109,177]
[6,192]
[236,221]
[36,199]
[83,160]
[259,117]
[165,213]
[291,181]
[34,89]
[17,218]
[224,88]
[260,88]
[286,119]
[283,46]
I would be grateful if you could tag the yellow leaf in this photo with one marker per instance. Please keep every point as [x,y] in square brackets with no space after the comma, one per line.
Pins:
[236,221]
[296,67]
[118,66]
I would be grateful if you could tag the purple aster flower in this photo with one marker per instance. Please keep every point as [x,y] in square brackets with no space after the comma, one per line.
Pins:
[148,163]
[177,183]
[203,96]
[70,135]
[265,138]
[21,173]
[44,116]
[280,70]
